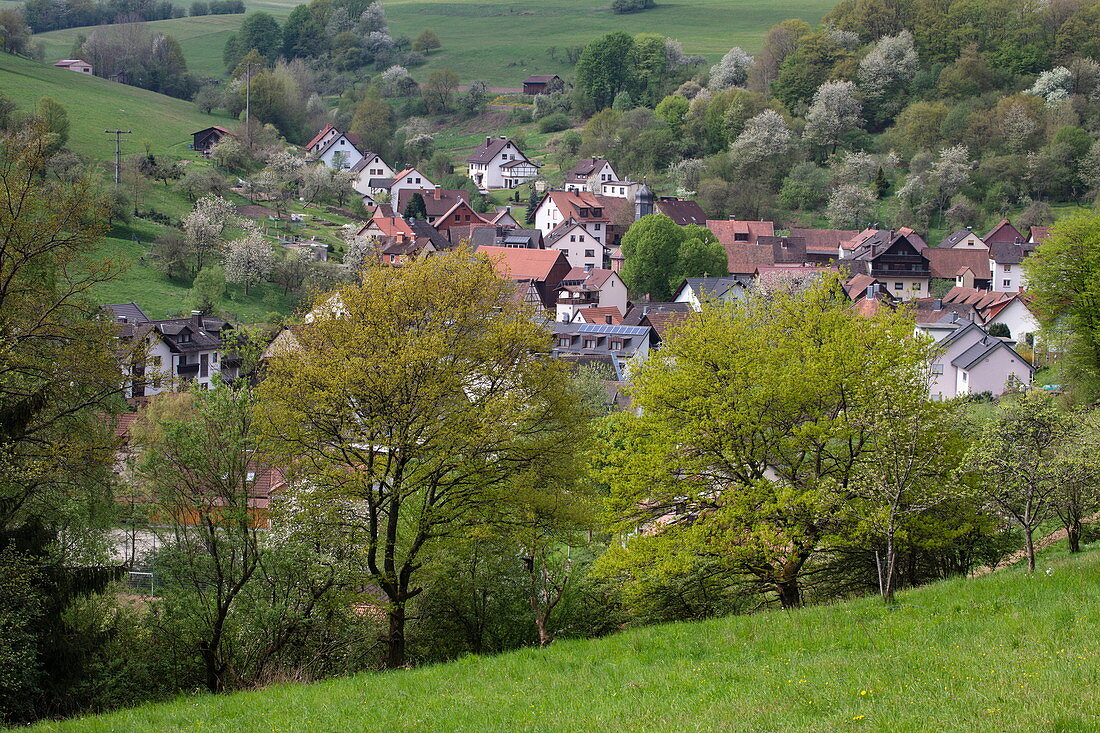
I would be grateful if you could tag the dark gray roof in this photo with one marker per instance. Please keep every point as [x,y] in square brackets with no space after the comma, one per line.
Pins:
[716,286]
[424,230]
[367,158]
[632,338]
[127,312]
[494,236]
[490,149]
[1009,253]
[980,350]
[955,237]
[636,313]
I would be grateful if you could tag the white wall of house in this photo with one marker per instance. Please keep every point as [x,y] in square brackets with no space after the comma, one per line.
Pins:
[414,180]
[1019,319]
[342,155]
[971,241]
[1008,278]
[993,373]
[491,175]
[905,288]
[613,294]
[547,216]
[375,168]
[581,248]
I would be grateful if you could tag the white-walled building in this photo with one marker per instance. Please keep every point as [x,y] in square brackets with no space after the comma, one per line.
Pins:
[499,163]
[589,174]
[970,361]
[581,246]
[370,168]
[597,288]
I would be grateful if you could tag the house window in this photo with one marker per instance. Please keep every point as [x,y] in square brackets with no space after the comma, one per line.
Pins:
[1007,283]
[589,343]
[937,368]
[740,236]
[590,253]
[1008,268]
[915,286]
[154,361]
[616,345]
[597,227]
[899,286]
[563,342]
[572,237]
[964,376]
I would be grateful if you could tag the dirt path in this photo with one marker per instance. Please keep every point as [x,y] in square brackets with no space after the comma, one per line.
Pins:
[1040,544]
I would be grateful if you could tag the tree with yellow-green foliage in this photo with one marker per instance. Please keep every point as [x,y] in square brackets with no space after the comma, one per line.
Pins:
[756,427]
[418,403]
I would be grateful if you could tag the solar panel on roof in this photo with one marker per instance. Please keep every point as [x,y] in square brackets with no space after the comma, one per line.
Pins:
[515,240]
[616,330]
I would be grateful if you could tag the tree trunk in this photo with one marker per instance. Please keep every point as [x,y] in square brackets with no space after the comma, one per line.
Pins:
[889,574]
[1030,545]
[540,623]
[1073,536]
[395,640]
[790,593]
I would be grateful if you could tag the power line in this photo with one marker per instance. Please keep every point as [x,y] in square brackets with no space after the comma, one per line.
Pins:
[118,149]
[248,101]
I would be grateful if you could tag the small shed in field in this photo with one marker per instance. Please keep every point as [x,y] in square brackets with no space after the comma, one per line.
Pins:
[541,83]
[208,138]
[78,65]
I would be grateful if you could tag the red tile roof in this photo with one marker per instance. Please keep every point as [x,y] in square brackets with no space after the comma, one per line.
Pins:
[601,315]
[317,138]
[947,263]
[727,229]
[822,241]
[517,263]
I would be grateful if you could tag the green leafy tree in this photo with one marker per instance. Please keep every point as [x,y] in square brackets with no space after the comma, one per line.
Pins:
[1016,463]
[303,34]
[1063,275]
[700,255]
[415,209]
[416,427]
[260,31]
[373,122]
[55,120]
[605,68]
[651,249]
[753,430]
[427,41]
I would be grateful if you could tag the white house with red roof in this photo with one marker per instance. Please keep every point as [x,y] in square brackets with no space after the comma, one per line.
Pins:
[589,174]
[596,213]
[78,65]
[499,163]
[537,273]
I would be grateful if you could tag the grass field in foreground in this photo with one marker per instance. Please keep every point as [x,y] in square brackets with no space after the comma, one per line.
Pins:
[503,41]
[1005,652]
[95,105]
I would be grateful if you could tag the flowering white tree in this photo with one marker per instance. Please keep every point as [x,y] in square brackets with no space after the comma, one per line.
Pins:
[1054,85]
[850,205]
[204,226]
[397,81]
[732,70]
[360,250]
[890,64]
[249,260]
[765,136]
[836,111]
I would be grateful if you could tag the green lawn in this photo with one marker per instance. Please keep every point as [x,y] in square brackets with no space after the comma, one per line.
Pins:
[1005,652]
[95,105]
[503,41]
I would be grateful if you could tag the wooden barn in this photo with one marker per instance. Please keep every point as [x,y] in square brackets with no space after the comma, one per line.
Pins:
[208,138]
[541,83]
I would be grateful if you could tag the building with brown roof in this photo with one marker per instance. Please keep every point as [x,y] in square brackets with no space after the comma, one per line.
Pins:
[745,258]
[681,211]
[538,273]
[949,264]
[595,288]
[732,231]
[823,245]
[895,259]
[1004,232]
[542,84]
[588,174]
[605,218]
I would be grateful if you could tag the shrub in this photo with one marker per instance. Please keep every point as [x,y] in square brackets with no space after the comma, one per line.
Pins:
[630,6]
[555,123]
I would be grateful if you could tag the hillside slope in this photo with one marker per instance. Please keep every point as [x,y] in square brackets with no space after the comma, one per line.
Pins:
[95,105]
[1006,652]
[503,41]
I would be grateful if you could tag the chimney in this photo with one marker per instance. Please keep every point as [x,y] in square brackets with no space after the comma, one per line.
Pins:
[196,319]
[436,193]
[122,319]
[607,320]
[938,304]
[970,229]
[488,140]
[871,292]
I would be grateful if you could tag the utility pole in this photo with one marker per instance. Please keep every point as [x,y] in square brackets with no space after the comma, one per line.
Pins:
[248,101]
[118,149]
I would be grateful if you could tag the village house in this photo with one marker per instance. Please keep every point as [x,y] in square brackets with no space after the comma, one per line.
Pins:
[370,167]
[732,231]
[335,149]
[744,259]
[990,308]
[682,211]
[604,218]
[205,139]
[895,259]
[627,345]
[499,163]
[597,288]
[823,245]
[537,273]
[409,179]
[964,239]
[580,246]
[696,290]
[590,174]
[173,353]
[970,361]
[961,265]
[77,65]
[502,236]
[444,208]
[542,84]
[607,315]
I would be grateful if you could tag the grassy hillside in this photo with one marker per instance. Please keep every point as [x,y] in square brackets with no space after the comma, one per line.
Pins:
[502,41]
[95,105]
[1006,652]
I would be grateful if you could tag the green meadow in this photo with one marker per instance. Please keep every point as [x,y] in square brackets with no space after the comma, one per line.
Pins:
[503,41]
[94,105]
[1004,652]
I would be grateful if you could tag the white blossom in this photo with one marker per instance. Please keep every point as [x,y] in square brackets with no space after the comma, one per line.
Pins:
[1054,85]
[892,62]
[765,135]
[836,110]
[249,260]
[732,70]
